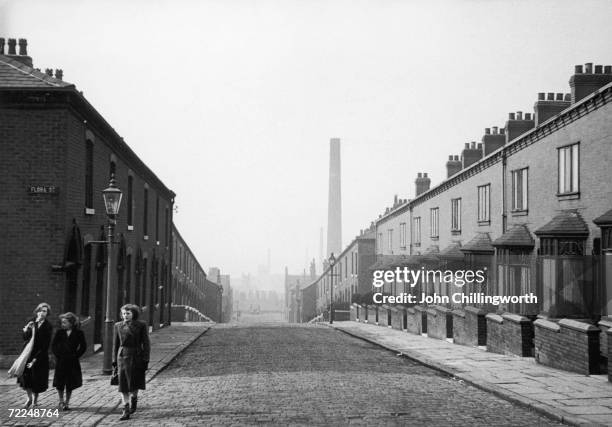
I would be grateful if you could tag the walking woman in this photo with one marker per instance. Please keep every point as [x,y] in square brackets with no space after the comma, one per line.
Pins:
[131,350]
[35,377]
[68,346]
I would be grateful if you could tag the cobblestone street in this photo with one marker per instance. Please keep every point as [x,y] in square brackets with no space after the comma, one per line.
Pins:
[310,375]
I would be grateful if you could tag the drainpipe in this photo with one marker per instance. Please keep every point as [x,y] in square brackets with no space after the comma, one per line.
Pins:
[504,192]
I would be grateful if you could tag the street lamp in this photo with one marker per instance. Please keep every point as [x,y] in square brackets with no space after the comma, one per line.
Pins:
[332,261]
[112,202]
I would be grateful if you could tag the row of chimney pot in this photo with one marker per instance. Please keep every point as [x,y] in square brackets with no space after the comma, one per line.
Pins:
[12,44]
[551,96]
[588,69]
[494,131]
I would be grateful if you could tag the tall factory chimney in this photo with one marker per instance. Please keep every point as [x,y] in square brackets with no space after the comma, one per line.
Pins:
[334,206]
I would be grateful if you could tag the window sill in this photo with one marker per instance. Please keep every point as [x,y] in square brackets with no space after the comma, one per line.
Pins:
[130,228]
[569,196]
[455,232]
[145,237]
[90,211]
[435,238]
[418,245]
[519,213]
[484,223]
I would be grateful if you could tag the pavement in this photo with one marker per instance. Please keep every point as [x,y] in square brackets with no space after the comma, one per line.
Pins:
[564,396]
[97,399]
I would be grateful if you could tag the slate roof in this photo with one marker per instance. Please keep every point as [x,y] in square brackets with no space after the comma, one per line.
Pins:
[517,236]
[480,243]
[567,223]
[14,74]
[452,252]
[605,219]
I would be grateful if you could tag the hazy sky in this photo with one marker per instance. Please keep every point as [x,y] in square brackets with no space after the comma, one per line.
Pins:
[232,103]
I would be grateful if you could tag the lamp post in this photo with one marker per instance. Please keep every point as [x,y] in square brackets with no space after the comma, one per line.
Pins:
[112,201]
[332,261]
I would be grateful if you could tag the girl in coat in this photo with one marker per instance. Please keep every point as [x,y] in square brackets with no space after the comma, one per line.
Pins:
[68,346]
[35,377]
[131,350]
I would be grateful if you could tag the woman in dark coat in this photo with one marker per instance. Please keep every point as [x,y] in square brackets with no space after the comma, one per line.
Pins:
[68,346]
[131,350]
[35,377]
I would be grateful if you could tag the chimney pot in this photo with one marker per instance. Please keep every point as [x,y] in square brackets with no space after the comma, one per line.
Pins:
[23,47]
[551,96]
[473,145]
[527,116]
[1,45]
[578,69]
[588,68]
[59,74]
[502,131]
[457,157]
[419,175]
[598,69]
[568,97]
[487,131]
[467,145]
[479,146]
[559,97]
[608,69]
[511,116]
[519,115]
[49,72]
[541,96]
[424,174]
[494,130]
[450,158]
[12,43]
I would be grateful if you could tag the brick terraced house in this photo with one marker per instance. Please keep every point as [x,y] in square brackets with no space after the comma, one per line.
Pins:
[532,204]
[58,154]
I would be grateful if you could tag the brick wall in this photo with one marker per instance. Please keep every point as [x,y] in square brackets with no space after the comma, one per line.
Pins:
[604,324]
[469,326]
[397,318]
[439,322]
[569,345]
[509,334]
[416,320]
[373,314]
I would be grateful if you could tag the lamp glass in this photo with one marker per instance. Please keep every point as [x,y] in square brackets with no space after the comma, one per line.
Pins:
[112,200]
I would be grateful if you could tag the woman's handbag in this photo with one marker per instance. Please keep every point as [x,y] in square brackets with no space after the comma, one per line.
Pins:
[114,377]
[19,365]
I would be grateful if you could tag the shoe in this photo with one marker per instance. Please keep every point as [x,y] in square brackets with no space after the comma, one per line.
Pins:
[27,404]
[65,407]
[61,404]
[125,415]
[133,404]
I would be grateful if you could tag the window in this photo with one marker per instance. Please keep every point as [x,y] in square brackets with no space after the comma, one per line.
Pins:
[434,225]
[167,226]
[569,169]
[145,219]
[157,219]
[484,203]
[390,238]
[416,233]
[456,215]
[89,174]
[130,200]
[514,267]
[402,235]
[519,190]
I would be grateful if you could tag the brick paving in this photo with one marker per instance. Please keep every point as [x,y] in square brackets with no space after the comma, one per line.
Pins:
[310,375]
[568,397]
[97,399]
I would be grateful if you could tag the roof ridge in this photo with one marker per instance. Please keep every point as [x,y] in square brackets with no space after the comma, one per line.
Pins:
[32,72]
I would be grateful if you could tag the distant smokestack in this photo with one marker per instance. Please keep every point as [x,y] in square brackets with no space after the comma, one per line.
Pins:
[334,207]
